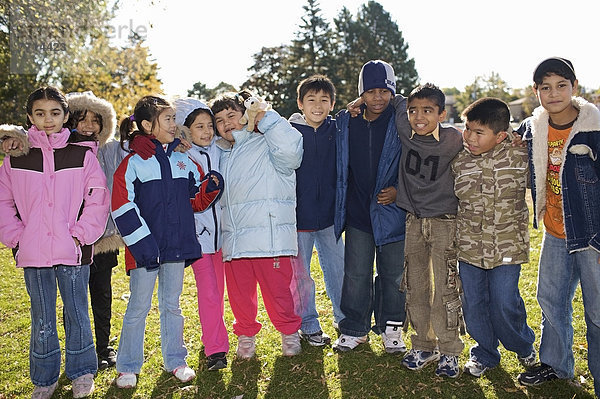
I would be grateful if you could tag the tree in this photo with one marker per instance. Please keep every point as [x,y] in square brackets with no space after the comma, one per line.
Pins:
[202,92]
[38,38]
[482,86]
[119,75]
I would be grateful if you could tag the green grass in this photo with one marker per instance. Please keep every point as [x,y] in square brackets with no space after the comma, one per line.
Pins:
[367,372]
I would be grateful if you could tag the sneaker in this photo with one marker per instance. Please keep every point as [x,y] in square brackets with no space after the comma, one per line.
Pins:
[316,339]
[529,360]
[107,358]
[392,338]
[474,368]
[44,392]
[417,359]
[290,344]
[216,361]
[184,373]
[246,347]
[537,375]
[346,343]
[447,366]
[83,386]
[126,380]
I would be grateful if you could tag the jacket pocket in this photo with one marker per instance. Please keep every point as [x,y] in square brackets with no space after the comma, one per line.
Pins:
[584,169]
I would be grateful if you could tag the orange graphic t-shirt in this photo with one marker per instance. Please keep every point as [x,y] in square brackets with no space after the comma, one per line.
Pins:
[553,218]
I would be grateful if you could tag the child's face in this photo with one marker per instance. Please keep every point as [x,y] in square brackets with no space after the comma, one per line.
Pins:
[424,115]
[376,101]
[48,115]
[165,127]
[90,125]
[554,93]
[316,106]
[202,130]
[227,121]
[480,138]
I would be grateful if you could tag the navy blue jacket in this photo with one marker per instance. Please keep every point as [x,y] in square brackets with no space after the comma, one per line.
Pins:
[579,173]
[315,178]
[387,221]
[152,207]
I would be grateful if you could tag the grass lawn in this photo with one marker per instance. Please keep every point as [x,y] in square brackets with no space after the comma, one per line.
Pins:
[367,372]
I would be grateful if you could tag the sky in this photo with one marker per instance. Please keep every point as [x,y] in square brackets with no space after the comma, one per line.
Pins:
[452,42]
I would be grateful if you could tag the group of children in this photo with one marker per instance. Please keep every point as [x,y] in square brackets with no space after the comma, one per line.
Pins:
[442,214]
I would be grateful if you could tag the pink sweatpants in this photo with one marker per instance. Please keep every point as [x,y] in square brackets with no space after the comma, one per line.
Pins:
[208,272]
[274,276]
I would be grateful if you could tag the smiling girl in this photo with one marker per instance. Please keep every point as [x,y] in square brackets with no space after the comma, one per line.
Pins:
[53,206]
[151,207]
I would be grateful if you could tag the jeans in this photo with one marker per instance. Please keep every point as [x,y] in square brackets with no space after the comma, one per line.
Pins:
[331,259]
[360,296]
[130,355]
[494,312]
[558,276]
[44,349]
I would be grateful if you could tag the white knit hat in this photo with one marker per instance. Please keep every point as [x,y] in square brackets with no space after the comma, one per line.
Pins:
[376,74]
[185,106]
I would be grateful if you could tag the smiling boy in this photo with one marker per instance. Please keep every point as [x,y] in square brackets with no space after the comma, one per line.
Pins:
[315,208]
[426,191]
[563,141]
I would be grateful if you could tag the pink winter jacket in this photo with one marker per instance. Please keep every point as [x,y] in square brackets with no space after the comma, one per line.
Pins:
[55,192]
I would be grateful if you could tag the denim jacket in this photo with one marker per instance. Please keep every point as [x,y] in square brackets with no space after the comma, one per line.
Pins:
[579,173]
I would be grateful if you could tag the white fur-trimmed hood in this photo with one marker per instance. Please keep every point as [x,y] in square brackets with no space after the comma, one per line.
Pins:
[88,101]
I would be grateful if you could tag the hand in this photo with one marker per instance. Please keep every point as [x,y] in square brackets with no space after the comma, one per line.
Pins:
[11,143]
[143,146]
[517,141]
[354,107]
[184,146]
[77,243]
[387,196]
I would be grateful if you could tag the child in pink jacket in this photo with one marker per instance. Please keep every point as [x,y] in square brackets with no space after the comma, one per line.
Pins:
[54,205]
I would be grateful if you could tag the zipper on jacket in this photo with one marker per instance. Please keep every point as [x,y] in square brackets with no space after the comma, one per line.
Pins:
[214,210]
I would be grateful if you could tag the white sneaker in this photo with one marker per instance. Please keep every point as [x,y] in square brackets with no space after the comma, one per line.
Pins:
[392,338]
[346,343]
[83,386]
[290,344]
[126,380]
[44,392]
[184,373]
[246,347]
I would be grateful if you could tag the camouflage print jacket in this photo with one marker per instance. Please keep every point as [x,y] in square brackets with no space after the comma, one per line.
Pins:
[492,220]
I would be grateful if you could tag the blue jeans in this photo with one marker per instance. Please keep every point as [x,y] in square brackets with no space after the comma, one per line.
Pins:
[558,276]
[130,355]
[331,259]
[360,296]
[44,349]
[494,312]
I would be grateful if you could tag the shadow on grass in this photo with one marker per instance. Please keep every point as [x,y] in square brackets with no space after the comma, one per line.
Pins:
[210,384]
[301,376]
[365,374]
[244,378]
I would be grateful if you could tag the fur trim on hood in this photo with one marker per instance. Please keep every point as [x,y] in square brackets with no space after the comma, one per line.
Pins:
[88,101]
[18,133]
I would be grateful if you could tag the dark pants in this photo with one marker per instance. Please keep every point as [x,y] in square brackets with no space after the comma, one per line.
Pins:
[101,297]
[361,297]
